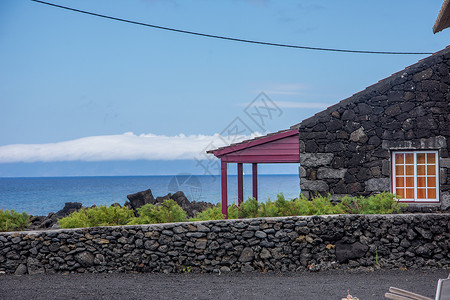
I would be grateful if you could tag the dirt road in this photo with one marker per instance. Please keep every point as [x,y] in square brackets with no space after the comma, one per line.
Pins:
[321,285]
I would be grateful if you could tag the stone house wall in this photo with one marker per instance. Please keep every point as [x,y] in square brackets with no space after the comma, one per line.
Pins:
[267,244]
[346,149]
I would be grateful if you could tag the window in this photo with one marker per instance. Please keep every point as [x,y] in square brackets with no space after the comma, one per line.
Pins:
[416,175]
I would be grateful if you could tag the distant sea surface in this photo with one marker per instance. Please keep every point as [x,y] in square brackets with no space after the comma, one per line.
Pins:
[42,195]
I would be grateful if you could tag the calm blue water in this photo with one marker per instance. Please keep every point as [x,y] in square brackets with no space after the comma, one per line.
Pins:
[39,196]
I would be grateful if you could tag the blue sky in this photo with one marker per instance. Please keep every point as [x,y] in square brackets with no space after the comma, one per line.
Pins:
[97,94]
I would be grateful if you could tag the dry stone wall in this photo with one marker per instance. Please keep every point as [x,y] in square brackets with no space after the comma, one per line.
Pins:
[266,244]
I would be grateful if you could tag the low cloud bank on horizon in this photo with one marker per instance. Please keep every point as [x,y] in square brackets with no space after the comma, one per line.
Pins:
[127,146]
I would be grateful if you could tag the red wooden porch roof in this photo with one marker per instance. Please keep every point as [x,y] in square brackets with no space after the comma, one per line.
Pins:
[278,147]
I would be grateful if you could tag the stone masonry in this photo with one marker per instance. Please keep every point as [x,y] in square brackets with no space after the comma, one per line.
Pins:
[346,149]
[271,244]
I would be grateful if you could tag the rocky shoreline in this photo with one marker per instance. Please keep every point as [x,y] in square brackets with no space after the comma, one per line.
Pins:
[134,202]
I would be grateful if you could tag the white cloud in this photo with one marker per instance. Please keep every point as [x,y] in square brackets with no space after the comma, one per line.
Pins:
[127,146]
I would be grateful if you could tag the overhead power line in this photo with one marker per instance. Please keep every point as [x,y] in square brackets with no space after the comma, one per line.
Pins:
[231,38]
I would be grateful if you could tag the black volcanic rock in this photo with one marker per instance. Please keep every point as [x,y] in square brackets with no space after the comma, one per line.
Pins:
[51,220]
[345,251]
[146,197]
[160,200]
[191,208]
[68,208]
[140,199]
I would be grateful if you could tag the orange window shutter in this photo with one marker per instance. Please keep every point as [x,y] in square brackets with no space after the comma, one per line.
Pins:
[416,175]
[410,170]
[421,193]
[410,193]
[421,181]
[409,158]
[410,182]
[431,169]
[432,194]
[421,158]
[431,158]
[400,181]
[399,158]
[399,170]
[421,170]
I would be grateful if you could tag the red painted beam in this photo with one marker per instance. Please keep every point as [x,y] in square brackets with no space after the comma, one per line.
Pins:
[223,178]
[240,183]
[270,146]
[255,180]
[271,152]
[253,143]
[261,159]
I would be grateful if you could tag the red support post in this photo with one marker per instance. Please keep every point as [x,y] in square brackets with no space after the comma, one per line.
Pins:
[255,180]
[240,183]
[223,177]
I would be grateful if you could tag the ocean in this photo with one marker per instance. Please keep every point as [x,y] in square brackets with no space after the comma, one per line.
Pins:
[42,195]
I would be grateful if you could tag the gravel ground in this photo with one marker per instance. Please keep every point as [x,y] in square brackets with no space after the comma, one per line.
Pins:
[320,285]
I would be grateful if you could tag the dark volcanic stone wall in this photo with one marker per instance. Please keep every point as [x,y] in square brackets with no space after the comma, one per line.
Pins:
[270,244]
[346,149]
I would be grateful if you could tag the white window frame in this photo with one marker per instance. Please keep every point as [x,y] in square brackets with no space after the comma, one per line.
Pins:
[394,181]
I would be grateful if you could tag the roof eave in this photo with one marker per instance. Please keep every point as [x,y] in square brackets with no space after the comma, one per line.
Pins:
[252,143]
[443,19]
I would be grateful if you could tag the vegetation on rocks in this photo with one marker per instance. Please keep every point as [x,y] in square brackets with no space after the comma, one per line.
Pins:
[11,220]
[383,203]
[97,216]
[170,211]
[167,212]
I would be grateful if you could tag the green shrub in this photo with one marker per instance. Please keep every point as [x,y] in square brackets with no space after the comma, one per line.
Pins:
[11,220]
[77,219]
[324,206]
[351,205]
[97,216]
[167,212]
[281,207]
[233,211]
[212,213]
[113,215]
[385,203]
[306,207]
[268,209]
[215,213]
[382,203]
[248,208]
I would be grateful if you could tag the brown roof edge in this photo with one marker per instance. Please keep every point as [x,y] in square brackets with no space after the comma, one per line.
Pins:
[252,142]
[443,18]
[372,87]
